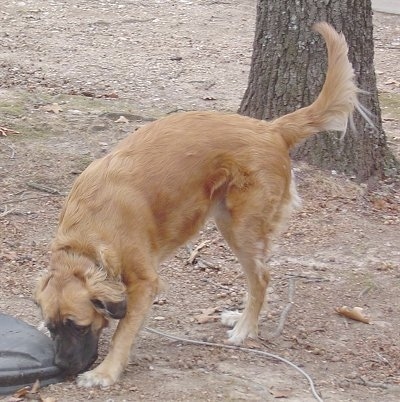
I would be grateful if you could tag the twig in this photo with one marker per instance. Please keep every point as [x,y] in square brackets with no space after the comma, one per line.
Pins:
[366,290]
[388,47]
[383,359]
[309,278]
[373,384]
[25,199]
[217,285]
[40,187]
[12,156]
[195,252]
[286,310]
[201,262]
[4,131]
[6,212]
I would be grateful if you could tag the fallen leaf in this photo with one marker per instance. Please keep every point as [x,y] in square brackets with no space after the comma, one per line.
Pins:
[4,131]
[206,316]
[35,387]
[280,392]
[88,94]
[111,95]
[355,313]
[122,119]
[21,392]
[52,108]
[391,81]
[209,311]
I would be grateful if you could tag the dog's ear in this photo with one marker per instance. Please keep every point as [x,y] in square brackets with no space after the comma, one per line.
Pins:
[108,295]
[116,310]
[41,285]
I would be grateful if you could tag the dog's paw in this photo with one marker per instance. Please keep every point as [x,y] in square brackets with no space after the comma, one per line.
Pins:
[95,378]
[242,330]
[230,318]
[236,337]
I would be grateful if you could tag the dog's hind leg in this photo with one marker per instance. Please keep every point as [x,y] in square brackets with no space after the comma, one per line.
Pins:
[246,324]
[247,227]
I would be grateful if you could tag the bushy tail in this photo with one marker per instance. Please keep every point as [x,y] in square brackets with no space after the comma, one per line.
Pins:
[338,98]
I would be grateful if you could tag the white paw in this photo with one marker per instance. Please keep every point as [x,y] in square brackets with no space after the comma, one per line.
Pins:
[241,331]
[230,318]
[236,338]
[95,378]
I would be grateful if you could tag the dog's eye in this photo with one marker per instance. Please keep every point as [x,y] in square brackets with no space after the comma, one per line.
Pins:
[79,329]
[52,330]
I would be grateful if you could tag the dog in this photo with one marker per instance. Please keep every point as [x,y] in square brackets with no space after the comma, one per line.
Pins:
[130,210]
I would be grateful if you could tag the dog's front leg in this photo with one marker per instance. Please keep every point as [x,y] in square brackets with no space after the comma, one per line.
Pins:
[140,298]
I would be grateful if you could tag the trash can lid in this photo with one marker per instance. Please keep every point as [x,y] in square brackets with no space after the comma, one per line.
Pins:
[26,355]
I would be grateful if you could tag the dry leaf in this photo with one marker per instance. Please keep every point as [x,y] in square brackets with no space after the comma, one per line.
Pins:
[111,95]
[14,399]
[392,81]
[208,98]
[280,393]
[21,392]
[122,119]
[4,131]
[206,316]
[52,108]
[209,311]
[35,387]
[355,313]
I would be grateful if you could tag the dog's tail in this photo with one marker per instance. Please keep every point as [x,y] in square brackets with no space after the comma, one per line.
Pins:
[338,98]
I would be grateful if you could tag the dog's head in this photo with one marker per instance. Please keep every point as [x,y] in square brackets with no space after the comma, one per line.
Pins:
[77,298]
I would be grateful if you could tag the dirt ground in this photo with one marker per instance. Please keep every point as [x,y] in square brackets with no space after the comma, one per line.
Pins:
[67,74]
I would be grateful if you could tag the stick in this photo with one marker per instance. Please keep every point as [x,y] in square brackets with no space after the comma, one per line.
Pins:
[218,285]
[40,187]
[6,212]
[4,131]
[12,156]
[25,199]
[309,278]
[285,311]
[372,384]
[194,253]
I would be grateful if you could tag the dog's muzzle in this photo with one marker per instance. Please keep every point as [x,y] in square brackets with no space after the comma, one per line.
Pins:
[75,353]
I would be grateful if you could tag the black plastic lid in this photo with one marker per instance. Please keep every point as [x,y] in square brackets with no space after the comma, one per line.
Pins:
[26,355]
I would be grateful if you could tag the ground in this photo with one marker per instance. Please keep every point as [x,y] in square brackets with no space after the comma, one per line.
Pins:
[68,74]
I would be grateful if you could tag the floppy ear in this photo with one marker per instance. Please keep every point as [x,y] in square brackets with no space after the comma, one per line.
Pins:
[115,310]
[107,294]
[41,285]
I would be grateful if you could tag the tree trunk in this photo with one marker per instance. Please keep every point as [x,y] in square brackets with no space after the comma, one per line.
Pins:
[288,70]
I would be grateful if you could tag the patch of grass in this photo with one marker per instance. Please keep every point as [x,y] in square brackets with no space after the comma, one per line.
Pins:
[81,163]
[99,106]
[11,108]
[390,103]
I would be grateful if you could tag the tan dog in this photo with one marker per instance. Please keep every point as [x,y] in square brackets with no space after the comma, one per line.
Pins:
[130,210]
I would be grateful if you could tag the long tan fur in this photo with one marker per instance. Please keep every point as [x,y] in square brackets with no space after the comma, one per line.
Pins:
[336,101]
[130,210]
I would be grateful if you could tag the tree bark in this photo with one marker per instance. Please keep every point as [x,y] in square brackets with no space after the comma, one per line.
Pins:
[288,70]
